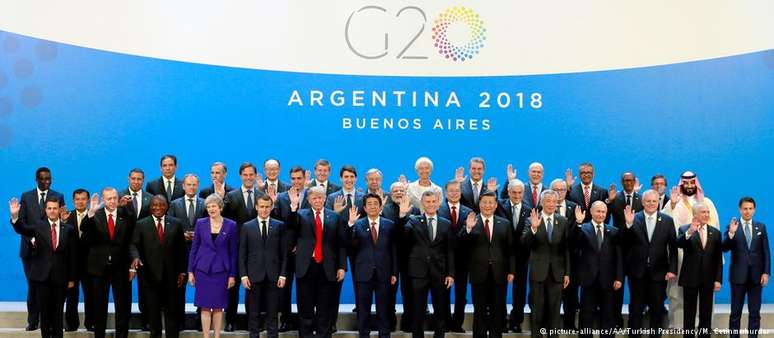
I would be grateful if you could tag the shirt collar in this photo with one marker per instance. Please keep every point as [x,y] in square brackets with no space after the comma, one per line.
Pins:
[651,215]
[270,182]
[325,183]
[370,220]
[156,219]
[41,191]
[543,213]
[244,189]
[171,179]
[480,182]
[261,220]
[457,205]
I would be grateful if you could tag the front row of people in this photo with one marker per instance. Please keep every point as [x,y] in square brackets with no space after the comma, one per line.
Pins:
[257,256]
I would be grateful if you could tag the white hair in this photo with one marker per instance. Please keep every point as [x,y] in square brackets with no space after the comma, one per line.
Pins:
[421,160]
[535,164]
[515,183]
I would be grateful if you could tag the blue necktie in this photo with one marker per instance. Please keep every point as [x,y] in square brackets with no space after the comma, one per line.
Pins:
[549,228]
[747,233]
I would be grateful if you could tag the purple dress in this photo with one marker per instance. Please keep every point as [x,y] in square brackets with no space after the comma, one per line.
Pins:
[213,260]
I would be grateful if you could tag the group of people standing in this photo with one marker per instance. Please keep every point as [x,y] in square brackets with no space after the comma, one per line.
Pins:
[564,245]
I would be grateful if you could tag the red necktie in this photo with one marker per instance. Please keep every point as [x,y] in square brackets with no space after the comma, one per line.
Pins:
[53,236]
[111,226]
[486,230]
[586,195]
[374,235]
[160,230]
[534,195]
[318,235]
[454,216]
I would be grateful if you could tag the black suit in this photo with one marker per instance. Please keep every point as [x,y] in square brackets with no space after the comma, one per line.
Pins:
[391,211]
[521,257]
[317,281]
[615,212]
[329,189]
[549,263]
[648,261]
[50,269]
[31,211]
[159,187]
[281,186]
[429,263]
[144,205]
[72,319]
[235,208]
[702,268]
[108,263]
[602,266]
[491,261]
[597,193]
[461,263]
[281,211]
[144,211]
[206,192]
[163,262]
[570,298]
[263,257]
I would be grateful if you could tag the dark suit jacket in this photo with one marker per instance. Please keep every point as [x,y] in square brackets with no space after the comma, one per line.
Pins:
[615,208]
[601,266]
[701,266]
[163,261]
[235,208]
[57,267]
[497,254]
[357,201]
[569,214]
[332,187]
[302,225]
[281,210]
[429,259]
[466,193]
[462,214]
[210,256]
[83,244]
[660,253]
[753,261]
[177,209]
[545,255]
[157,187]
[102,250]
[144,206]
[597,193]
[261,260]
[369,258]
[281,186]
[505,210]
[30,213]
[391,211]
[528,195]
[206,192]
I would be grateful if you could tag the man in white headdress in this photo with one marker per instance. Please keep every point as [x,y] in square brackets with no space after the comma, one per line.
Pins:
[682,198]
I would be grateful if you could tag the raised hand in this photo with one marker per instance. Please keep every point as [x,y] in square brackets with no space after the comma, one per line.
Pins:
[491,184]
[534,219]
[637,185]
[307,178]
[64,214]
[733,226]
[272,194]
[580,215]
[353,215]
[339,204]
[629,214]
[93,204]
[611,193]
[259,182]
[695,223]
[404,206]
[568,178]
[470,222]
[14,207]
[510,172]
[126,199]
[675,195]
[459,174]
[402,179]
[220,190]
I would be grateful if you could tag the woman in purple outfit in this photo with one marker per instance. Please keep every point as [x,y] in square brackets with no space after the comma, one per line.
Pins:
[212,263]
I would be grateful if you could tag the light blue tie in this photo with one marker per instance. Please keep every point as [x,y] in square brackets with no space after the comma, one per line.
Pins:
[651,227]
[747,233]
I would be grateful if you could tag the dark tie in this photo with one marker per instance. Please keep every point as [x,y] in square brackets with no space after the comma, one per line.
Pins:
[487,231]
[191,212]
[160,230]
[264,231]
[430,228]
[628,199]
[374,235]
[135,203]
[53,236]
[169,190]
[111,227]
[515,213]
[534,195]
[549,228]
[249,203]
[349,200]
[318,235]
[599,237]
[42,201]
[586,196]
[454,216]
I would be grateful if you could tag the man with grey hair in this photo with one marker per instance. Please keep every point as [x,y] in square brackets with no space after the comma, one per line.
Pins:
[218,173]
[272,184]
[517,211]
[535,185]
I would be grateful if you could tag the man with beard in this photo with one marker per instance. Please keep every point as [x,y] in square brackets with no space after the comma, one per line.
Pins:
[682,198]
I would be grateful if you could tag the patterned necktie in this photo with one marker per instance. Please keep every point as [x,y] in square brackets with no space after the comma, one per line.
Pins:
[534,195]
[318,235]
[53,236]
[586,196]
[374,235]
[111,226]
[160,230]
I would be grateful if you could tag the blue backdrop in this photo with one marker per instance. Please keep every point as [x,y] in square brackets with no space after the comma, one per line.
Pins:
[91,116]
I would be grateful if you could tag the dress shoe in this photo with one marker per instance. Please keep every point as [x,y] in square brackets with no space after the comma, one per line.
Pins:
[71,329]
[145,327]
[515,328]
[31,327]
[456,329]
[284,327]
[229,327]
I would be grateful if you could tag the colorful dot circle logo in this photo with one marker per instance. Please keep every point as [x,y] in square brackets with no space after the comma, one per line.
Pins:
[454,50]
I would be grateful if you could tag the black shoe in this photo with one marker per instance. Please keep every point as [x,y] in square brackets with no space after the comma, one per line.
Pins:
[505,329]
[145,327]
[31,327]
[456,329]
[284,327]
[515,328]
[333,329]
[229,327]
[90,328]
[71,329]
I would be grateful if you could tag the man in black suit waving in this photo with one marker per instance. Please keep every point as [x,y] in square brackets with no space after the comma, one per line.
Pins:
[586,192]
[549,261]
[262,264]
[53,267]
[140,199]
[702,270]
[651,261]
[109,233]
[219,186]
[429,241]
[602,273]
[168,185]
[33,209]
[490,239]
[159,253]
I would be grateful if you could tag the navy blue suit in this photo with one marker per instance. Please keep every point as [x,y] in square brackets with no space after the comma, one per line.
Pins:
[374,265]
[597,193]
[178,209]
[747,266]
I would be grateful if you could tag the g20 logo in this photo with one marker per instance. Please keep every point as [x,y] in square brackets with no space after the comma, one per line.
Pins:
[448,48]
